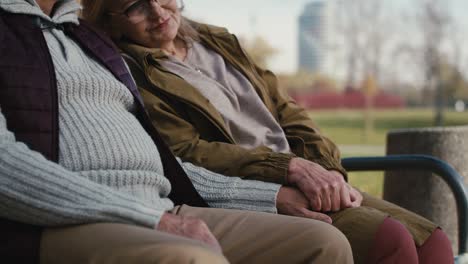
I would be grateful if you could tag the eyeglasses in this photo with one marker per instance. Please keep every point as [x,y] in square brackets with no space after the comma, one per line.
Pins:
[139,10]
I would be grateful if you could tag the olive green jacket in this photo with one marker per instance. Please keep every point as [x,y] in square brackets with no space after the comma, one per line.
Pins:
[195,130]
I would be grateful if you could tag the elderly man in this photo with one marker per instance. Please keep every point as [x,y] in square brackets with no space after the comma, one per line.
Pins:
[86,179]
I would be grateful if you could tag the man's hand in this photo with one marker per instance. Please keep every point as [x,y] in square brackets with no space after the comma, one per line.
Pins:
[290,201]
[326,190]
[189,227]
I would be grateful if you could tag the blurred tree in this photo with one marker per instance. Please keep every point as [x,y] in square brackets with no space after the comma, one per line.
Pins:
[304,82]
[435,52]
[454,82]
[323,83]
[369,88]
[366,31]
[349,26]
[434,22]
[260,50]
[297,82]
[458,85]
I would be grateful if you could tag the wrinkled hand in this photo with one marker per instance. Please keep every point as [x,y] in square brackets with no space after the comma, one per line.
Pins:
[291,201]
[356,197]
[189,227]
[325,190]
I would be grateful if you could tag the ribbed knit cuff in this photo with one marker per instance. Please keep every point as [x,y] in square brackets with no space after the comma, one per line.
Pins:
[148,216]
[253,196]
[228,192]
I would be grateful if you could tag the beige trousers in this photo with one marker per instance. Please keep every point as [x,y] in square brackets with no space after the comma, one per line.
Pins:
[246,237]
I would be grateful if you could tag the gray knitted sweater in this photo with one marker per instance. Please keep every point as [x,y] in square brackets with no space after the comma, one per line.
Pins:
[109,169]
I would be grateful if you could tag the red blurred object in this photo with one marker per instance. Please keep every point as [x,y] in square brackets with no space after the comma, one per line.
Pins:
[349,99]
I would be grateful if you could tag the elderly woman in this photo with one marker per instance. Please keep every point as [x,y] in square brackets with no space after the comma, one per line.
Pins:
[217,109]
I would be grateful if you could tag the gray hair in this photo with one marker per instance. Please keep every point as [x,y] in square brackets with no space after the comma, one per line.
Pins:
[95,12]
[186,32]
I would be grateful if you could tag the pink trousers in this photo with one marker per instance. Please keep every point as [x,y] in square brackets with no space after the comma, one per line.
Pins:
[394,244]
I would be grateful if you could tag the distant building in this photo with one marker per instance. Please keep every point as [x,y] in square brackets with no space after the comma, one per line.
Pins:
[316,37]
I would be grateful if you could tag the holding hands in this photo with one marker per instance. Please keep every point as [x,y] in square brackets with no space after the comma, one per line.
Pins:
[314,191]
[291,201]
[325,191]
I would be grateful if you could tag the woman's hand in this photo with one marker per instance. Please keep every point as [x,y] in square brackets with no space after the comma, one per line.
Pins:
[326,191]
[356,197]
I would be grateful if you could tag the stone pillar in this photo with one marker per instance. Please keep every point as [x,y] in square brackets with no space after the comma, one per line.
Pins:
[421,192]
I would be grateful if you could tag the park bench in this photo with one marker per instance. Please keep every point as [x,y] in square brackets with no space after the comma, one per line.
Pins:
[423,162]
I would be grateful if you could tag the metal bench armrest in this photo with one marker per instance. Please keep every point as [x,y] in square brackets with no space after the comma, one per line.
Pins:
[427,163]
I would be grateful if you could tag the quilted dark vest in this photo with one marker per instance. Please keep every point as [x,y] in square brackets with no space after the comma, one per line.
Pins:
[28,98]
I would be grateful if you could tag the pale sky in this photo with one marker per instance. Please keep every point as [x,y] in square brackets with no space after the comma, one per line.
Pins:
[274,20]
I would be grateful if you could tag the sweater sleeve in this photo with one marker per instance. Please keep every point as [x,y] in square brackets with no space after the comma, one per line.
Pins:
[36,191]
[221,191]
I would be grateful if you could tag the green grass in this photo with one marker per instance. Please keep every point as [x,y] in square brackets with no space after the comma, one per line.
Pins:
[369,182]
[346,127]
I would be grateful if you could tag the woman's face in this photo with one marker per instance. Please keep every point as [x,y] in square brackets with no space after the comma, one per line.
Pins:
[147,22]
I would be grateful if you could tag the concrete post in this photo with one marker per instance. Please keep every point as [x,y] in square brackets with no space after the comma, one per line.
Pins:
[422,192]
